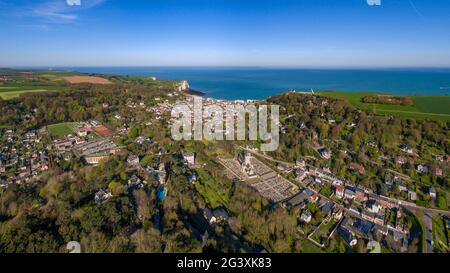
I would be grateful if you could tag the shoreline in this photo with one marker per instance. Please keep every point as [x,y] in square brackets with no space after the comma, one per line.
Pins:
[195,93]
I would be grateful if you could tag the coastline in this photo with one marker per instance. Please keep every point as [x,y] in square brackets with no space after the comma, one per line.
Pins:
[195,93]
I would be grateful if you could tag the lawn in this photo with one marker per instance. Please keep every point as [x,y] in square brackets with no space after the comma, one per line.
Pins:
[209,190]
[425,106]
[309,247]
[324,231]
[11,92]
[61,129]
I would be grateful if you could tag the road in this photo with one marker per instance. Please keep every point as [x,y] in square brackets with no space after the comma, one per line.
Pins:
[428,226]
[428,221]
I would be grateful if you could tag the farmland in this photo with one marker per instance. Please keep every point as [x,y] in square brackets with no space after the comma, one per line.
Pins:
[11,92]
[16,83]
[433,107]
[86,79]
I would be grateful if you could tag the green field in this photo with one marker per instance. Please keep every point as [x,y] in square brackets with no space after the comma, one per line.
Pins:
[436,107]
[11,92]
[61,129]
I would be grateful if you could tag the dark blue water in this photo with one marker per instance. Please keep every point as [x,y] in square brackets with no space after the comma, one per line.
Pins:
[256,83]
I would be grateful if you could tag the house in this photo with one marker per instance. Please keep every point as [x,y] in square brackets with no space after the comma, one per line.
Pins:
[432,192]
[313,197]
[402,187]
[327,207]
[367,215]
[135,181]
[325,153]
[63,144]
[437,171]
[189,158]
[300,164]
[359,227]
[412,195]
[142,139]
[295,201]
[82,132]
[349,193]
[373,206]
[422,168]
[360,195]
[401,160]
[358,167]
[102,196]
[216,216]
[339,191]
[348,237]
[306,216]
[133,160]
[381,229]
[300,174]
[317,180]
[386,203]
[379,218]
[389,181]
[94,122]
[405,147]
[337,214]
[351,125]
[3,183]
[193,178]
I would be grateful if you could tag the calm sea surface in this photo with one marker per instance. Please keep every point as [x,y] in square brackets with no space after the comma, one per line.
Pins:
[257,83]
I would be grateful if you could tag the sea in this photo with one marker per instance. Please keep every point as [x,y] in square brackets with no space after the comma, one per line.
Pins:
[262,82]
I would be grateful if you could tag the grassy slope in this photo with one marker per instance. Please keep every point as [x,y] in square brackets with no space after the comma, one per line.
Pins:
[439,234]
[425,106]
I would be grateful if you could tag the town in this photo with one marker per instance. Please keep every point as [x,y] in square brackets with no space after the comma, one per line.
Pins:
[337,192]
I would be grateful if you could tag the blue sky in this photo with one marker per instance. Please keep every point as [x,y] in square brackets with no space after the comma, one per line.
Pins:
[299,33]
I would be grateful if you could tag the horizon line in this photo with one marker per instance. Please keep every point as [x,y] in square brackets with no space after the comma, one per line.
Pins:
[50,67]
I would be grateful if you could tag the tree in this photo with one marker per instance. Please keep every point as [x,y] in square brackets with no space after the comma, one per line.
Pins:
[115,187]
